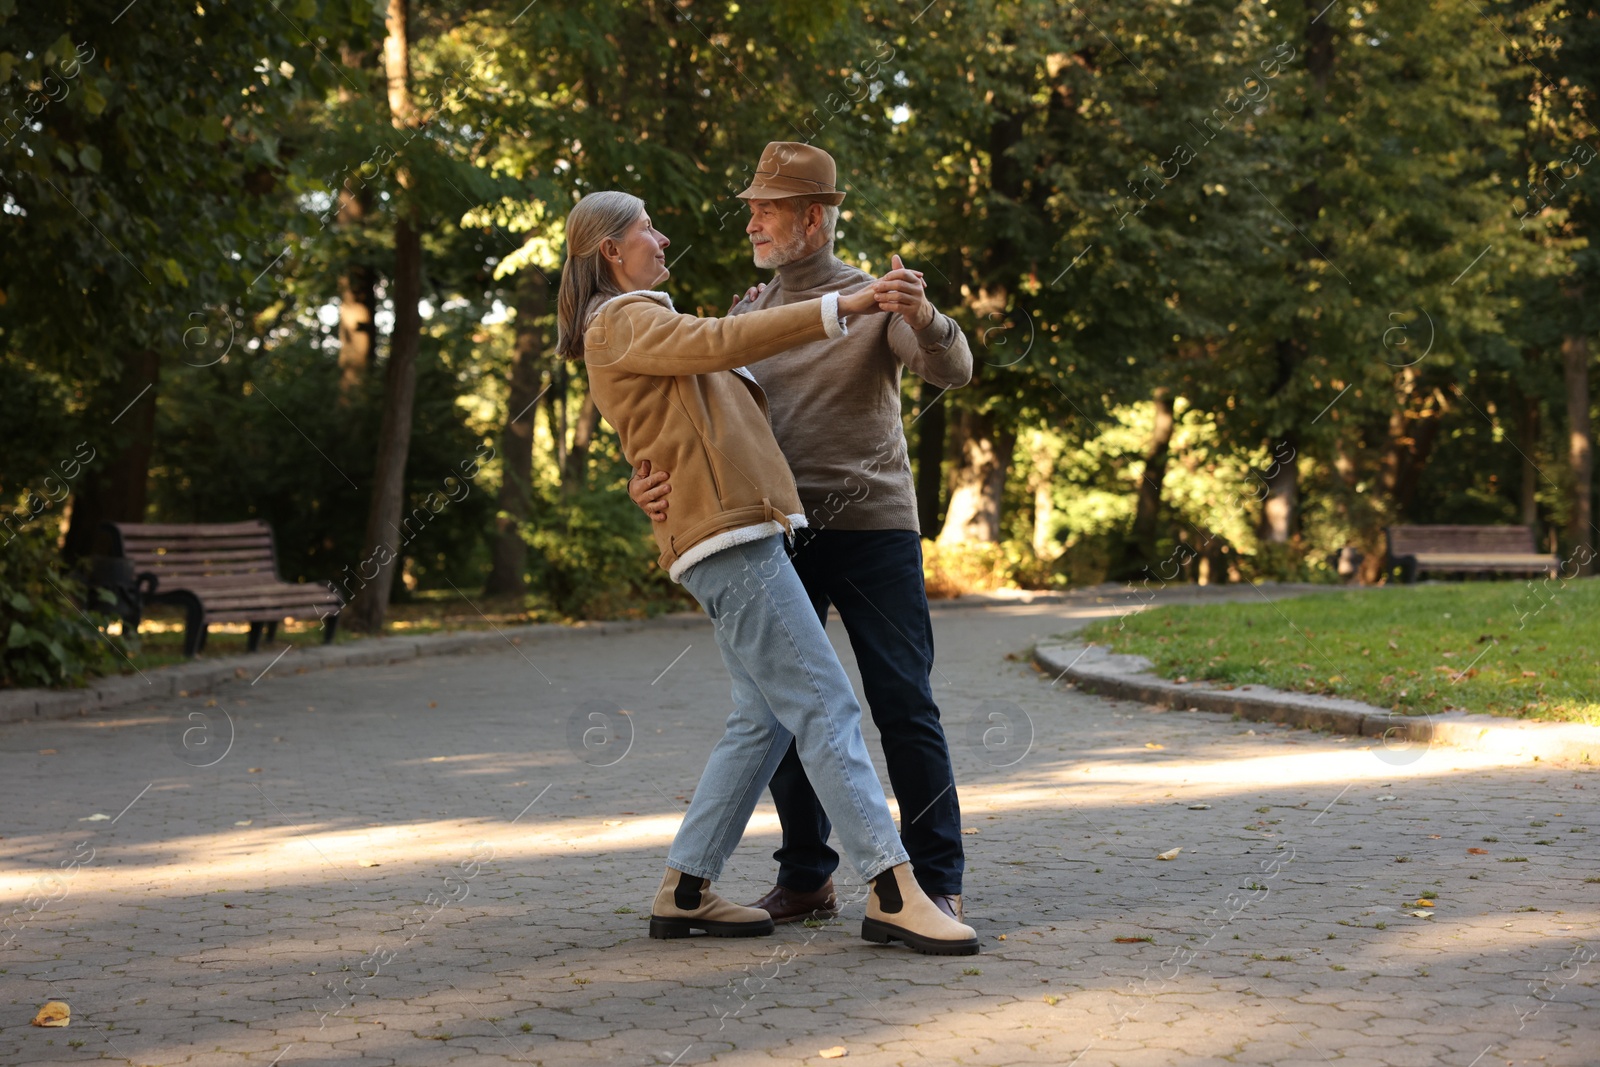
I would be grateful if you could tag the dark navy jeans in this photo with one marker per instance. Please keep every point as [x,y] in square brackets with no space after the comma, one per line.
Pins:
[874,579]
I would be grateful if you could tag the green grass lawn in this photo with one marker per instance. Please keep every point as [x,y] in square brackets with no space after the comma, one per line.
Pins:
[1521,649]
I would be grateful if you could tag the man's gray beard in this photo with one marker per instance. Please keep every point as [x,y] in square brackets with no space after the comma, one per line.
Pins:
[776,254]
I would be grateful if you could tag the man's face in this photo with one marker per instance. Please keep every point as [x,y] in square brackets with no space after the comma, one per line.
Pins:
[777,233]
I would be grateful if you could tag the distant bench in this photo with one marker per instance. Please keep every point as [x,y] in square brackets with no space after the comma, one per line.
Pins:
[1466,550]
[218,572]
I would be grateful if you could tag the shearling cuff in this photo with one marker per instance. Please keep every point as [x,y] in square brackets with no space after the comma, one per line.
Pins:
[832,324]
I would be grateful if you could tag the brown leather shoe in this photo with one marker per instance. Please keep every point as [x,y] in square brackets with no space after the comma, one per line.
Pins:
[791,906]
[950,904]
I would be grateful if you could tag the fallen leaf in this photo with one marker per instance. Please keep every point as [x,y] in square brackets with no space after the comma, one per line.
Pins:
[1422,914]
[252,770]
[1530,674]
[834,1053]
[1387,796]
[1477,852]
[1001,937]
[1170,854]
[1424,902]
[1130,940]
[96,817]
[612,822]
[1152,744]
[367,863]
[228,905]
[244,822]
[1433,837]
[1199,807]
[969,830]
[47,752]
[54,1013]
[1394,646]
[433,703]
[1182,679]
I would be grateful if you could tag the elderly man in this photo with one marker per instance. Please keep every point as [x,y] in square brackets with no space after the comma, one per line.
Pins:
[835,409]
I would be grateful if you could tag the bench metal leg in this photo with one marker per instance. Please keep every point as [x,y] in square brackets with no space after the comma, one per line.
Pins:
[329,625]
[194,626]
[254,640]
[272,631]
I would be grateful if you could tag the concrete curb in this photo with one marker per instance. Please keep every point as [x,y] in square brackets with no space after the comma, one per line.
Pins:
[1096,670]
[200,676]
[1005,598]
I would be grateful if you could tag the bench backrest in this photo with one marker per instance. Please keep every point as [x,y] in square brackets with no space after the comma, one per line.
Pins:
[202,555]
[1490,540]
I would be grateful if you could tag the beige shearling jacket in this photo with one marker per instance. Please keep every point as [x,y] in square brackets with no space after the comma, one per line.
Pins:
[674,389]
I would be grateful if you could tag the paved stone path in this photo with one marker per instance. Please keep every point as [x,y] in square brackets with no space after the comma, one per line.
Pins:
[451,860]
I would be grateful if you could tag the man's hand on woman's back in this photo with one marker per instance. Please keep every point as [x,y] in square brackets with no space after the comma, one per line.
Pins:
[649,490]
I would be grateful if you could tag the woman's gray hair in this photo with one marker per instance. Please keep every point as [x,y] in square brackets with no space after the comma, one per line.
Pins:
[585,277]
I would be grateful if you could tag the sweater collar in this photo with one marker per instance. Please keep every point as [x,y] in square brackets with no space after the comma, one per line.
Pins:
[809,272]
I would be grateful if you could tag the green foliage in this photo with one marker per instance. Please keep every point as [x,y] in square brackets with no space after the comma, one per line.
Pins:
[1518,649]
[955,570]
[594,558]
[48,635]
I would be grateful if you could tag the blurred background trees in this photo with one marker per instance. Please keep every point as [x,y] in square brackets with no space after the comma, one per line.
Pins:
[1245,283]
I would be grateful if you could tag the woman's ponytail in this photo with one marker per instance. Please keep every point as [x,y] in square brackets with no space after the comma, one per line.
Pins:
[584,276]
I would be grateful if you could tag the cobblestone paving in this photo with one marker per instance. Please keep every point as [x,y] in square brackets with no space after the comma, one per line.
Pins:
[451,861]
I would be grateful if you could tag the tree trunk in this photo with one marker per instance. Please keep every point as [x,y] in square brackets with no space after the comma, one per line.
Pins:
[978,480]
[1580,450]
[516,453]
[574,472]
[930,455]
[358,298]
[1280,511]
[1410,438]
[1042,475]
[1422,433]
[1147,495]
[1528,497]
[116,488]
[358,301]
[555,410]
[400,381]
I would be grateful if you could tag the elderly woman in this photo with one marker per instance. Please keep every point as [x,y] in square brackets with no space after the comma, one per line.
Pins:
[673,387]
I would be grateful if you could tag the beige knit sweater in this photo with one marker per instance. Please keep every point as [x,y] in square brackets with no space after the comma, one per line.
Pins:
[835,404]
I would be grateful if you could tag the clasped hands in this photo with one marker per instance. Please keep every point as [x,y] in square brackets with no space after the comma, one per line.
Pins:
[902,291]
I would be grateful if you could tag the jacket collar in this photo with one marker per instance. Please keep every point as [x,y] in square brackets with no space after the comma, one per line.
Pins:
[652,294]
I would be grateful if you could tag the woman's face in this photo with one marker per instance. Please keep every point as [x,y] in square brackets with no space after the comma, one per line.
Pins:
[639,261]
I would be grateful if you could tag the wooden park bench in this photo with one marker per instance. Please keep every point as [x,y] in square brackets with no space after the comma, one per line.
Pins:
[1466,550]
[218,572]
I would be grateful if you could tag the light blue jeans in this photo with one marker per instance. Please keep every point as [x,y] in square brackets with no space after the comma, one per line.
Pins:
[787,683]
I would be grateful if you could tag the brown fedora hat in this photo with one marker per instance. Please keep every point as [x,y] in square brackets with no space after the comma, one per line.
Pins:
[788,168]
